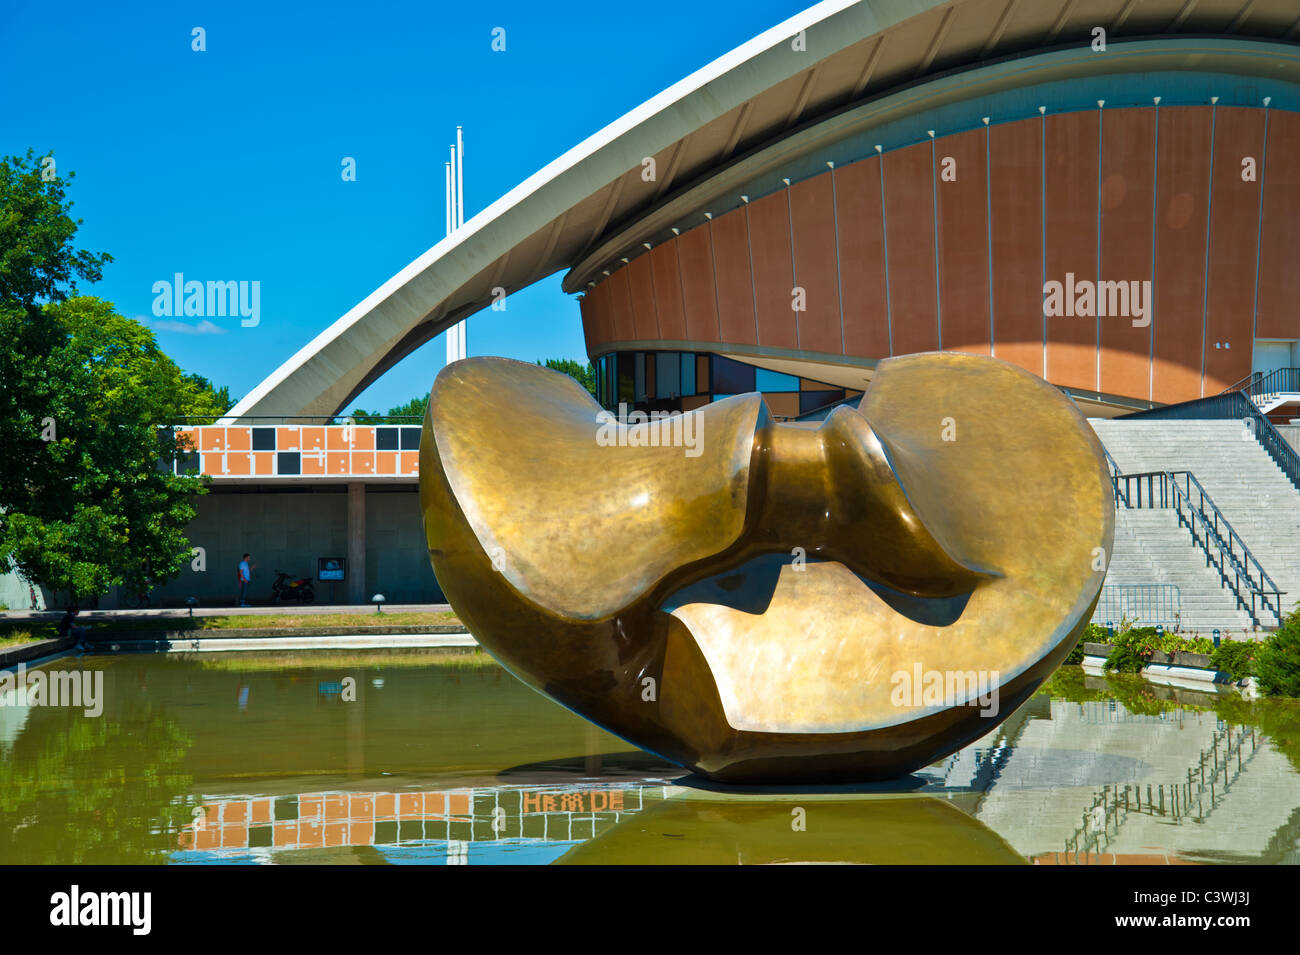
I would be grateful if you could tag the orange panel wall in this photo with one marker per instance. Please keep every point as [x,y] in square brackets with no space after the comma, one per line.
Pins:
[963,243]
[595,316]
[1015,183]
[769,243]
[862,259]
[620,293]
[735,284]
[874,262]
[1279,261]
[816,265]
[645,319]
[668,292]
[909,219]
[1234,226]
[1071,237]
[695,255]
[1127,193]
[1177,321]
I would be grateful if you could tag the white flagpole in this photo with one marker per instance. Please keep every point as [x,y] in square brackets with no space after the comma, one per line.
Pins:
[460,179]
[454,197]
[448,198]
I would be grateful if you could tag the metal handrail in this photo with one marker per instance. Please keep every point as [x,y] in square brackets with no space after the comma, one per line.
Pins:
[1275,382]
[1164,491]
[1243,383]
[1231,405]
[1114,477]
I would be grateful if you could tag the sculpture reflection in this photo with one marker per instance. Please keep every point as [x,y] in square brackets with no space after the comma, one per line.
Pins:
[716,830]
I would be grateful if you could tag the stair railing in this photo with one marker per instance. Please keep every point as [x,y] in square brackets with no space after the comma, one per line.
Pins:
[1239,570]
[1229,405]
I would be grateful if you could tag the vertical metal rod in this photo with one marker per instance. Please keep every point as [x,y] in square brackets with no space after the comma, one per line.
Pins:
[455,196]
[460,179]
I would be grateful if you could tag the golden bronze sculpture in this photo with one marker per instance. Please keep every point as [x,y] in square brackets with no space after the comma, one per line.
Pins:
[849,599]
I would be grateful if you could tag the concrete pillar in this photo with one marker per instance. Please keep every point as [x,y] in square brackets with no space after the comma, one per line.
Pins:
[357,543]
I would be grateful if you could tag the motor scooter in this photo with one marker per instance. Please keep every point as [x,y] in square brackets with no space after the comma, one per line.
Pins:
[291,588]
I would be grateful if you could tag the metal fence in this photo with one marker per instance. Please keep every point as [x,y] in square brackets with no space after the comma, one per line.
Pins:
[1147,605]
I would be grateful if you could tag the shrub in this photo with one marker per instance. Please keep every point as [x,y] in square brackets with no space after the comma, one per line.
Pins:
[1132,649]
[1092,633]
[1277,664]
[1235,658]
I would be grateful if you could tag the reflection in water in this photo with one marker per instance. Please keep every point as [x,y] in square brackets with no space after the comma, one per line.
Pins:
[75,789]
[719,830]
[398,757]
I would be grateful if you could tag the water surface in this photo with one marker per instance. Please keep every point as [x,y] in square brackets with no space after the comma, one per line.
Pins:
[400,756]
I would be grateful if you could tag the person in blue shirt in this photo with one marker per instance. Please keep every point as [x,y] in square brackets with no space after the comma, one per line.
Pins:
[244,577]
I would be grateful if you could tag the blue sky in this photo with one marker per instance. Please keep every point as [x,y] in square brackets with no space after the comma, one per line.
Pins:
[225,164]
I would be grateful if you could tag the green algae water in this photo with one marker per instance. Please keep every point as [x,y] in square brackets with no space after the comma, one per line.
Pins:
[411,757]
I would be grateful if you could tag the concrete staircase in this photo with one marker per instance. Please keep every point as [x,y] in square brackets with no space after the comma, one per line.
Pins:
[1249,489]
[1151,548]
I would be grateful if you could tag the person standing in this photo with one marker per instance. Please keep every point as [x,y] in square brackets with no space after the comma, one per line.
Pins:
[245,576]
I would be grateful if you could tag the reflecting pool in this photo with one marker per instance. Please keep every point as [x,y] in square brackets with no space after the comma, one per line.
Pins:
[427,756]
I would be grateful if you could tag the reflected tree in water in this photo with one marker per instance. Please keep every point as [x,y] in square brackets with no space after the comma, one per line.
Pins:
[75,789]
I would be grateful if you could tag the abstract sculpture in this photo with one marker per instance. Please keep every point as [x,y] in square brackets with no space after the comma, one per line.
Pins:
[763,601]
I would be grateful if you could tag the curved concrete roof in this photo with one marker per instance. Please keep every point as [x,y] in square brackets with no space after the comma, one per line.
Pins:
[584,202]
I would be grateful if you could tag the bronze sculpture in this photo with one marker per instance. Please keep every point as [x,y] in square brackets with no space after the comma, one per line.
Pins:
[849,599]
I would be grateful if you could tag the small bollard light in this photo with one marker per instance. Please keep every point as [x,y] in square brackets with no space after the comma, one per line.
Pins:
[378,601]
[1110,627]
[192,602]
[1160,630]
[1216,639]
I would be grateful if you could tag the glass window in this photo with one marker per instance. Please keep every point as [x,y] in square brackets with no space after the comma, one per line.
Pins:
[732,377]
[639,391]
[688,373]
[668,383]
[774,381]
[626,377]
[812,400]
[386,439]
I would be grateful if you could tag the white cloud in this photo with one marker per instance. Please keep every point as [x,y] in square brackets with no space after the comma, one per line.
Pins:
[204,327]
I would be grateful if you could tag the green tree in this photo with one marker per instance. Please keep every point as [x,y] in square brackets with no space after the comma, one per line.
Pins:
[87,497]
[412,412]
[37,260]
[95,509]
[585,375]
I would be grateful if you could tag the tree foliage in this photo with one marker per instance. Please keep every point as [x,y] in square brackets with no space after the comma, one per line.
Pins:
[412,412]
[37,261]
[585,375]
[87,497]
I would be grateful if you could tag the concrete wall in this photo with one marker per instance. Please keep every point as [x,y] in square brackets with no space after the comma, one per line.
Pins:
[289,531]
